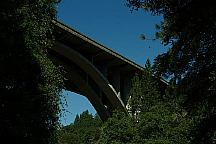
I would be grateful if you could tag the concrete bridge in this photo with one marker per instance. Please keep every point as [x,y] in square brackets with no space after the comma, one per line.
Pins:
[93,70]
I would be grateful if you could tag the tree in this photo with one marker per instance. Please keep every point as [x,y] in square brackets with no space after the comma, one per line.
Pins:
[144,92]
[29,82]
[165,122]
[156,118]
[161,118]
[189,29]
[118,129]
[84,130]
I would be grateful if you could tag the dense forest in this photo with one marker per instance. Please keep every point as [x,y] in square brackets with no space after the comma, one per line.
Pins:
[183,113]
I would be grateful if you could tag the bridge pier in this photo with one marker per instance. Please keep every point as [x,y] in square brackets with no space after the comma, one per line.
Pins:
[126,86]
[115,81]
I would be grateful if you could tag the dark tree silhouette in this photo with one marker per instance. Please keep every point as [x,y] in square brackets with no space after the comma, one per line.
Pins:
[189,29]
[29,82]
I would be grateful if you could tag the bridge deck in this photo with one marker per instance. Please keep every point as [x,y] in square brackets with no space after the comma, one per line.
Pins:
[88,46]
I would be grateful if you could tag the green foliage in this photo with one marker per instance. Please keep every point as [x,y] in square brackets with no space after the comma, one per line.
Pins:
[166,122]
[189,29]
[136,91]
[29,83]
[155,119]
[162,120]
[118,130]
[144,92]
[84,130]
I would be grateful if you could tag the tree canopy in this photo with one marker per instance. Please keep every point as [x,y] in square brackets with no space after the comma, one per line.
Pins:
[29,82]
[190,31]
[154,118]
[84,130]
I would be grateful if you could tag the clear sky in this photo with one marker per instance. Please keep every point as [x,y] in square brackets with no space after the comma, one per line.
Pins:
[111,23]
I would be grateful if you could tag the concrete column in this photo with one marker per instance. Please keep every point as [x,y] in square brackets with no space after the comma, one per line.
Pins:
[104,70]
[126,88]
[116,82]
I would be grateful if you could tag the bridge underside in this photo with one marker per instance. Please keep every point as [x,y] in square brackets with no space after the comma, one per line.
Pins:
[76,83]
[84,78]
[93,70]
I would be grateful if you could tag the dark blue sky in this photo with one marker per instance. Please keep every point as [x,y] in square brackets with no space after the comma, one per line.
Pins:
[112,24]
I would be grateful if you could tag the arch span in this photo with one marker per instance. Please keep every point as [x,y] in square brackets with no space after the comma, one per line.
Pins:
[74,78]
[111,95]
[99,73]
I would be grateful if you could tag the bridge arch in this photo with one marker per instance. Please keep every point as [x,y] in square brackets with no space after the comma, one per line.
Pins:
[94,70]
[86,89]
[111,95]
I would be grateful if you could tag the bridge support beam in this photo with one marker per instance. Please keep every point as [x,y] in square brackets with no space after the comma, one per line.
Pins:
[126,88]
[115,81]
